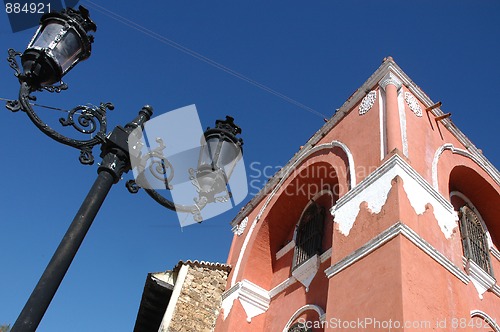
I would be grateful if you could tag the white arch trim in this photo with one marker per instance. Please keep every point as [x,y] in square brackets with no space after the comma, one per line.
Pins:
[287,171]
[318,309]
[491,322]
[448,146]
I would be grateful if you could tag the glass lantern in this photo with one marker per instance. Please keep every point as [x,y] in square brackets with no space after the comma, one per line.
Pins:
[61,41]
[218,157]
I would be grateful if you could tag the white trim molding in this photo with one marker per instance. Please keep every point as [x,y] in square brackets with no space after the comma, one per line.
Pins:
[495,290]
[481,162]
[317,308]
[254,299]
[375,188]
[282,286]
[382,124]
[389,234]
[495,253]
[491,322]
[325,256]
[402,123]
[285,250]
[482,280]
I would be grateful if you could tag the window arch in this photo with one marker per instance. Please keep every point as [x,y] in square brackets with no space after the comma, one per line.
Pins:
[487,319]
[309,234]
[298,327]
[302,322]
[474,239]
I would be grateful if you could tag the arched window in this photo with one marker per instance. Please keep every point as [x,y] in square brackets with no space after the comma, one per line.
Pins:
[309,234]
[474,239]
[298,327]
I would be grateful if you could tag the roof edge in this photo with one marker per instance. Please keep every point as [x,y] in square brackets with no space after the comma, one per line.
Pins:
[388,65]
[210,265]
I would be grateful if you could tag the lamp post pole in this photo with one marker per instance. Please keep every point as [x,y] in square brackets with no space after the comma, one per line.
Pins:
[61,42]
[115,162]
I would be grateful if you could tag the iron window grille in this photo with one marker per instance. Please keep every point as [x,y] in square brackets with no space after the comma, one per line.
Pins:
[474,239]
[309,234]
[298,327]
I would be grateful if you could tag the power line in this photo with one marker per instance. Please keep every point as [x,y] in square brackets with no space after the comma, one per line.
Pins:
[199,56]
[44,106]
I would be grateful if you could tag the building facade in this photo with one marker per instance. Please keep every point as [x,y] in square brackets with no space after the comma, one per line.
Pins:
[388,218]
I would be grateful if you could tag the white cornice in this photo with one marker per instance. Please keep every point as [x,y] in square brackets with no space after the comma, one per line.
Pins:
[384,237]
[254,299]
[282,286]
[374,190]
[495,253]
[283,251]
[326,255]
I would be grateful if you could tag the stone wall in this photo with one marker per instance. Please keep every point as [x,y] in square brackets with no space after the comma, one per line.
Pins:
[199,302]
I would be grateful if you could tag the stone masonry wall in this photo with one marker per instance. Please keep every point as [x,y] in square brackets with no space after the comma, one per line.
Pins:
[199,302]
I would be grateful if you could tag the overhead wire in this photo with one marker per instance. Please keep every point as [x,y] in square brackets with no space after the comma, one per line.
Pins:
[44,106]
[199,56]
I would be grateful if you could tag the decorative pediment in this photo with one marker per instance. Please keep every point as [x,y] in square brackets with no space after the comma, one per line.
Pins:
[305,272]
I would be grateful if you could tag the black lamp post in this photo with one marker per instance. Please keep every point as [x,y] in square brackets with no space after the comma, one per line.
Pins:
[62,41]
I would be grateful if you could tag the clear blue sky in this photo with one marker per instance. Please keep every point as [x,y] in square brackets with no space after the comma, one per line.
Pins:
[315,52]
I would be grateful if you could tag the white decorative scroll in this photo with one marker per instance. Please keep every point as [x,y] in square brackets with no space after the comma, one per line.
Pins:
[367,102]
[392,79]
[413,104]
[240,228]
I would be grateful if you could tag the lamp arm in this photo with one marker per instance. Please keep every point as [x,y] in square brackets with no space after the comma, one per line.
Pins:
[194,209]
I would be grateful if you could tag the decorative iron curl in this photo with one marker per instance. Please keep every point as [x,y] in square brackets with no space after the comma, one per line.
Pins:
[89,117]
[90,121]
[13,54]
[160,168]
[13,105]
[13,62]
[157,165]
[55,88]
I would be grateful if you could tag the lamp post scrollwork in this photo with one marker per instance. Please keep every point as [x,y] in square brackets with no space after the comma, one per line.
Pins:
[63,40]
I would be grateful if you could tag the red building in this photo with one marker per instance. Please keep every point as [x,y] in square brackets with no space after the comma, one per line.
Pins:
[388,218]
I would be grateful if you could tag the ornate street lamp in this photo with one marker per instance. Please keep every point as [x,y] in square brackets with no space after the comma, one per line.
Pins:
[62,41]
